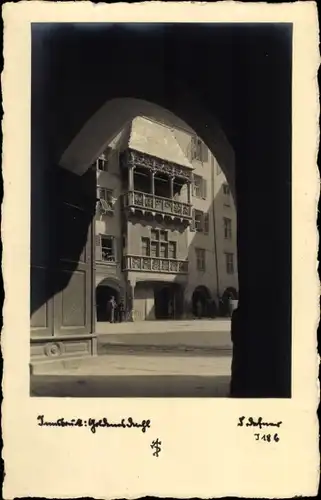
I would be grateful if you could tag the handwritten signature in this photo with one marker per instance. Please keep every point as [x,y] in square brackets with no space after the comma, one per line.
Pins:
[93,424]
[256,422]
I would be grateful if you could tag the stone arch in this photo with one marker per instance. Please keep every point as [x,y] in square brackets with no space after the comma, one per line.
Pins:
[106,288]
[100,130]
[230,291]
[201,299]
[111,282]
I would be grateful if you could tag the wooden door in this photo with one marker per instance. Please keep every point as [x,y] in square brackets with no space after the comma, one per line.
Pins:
[73,298]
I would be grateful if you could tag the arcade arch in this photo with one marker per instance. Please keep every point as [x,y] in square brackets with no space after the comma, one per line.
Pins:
[201,300]
[112,117]
[106,289]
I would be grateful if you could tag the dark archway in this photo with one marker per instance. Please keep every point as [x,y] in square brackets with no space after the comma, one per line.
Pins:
[201,300]
[103,295]
[70,84]
[230,293]
[168,301]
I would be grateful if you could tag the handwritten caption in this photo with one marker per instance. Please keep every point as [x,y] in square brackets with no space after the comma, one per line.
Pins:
[268,437]
[94,424]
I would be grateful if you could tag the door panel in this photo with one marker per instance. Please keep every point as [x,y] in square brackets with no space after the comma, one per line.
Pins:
[74,264]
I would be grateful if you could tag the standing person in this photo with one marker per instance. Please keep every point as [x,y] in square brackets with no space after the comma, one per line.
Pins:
[111,307]
[121,311]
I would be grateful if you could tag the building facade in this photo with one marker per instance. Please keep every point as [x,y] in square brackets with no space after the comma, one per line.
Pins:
[165,226]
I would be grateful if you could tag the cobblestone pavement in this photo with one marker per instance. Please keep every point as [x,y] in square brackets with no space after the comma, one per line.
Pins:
[139,375]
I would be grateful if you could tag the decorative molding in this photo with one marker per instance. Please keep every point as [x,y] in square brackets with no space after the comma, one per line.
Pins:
[135,158]
[155,264]
[54,349]
[136,200]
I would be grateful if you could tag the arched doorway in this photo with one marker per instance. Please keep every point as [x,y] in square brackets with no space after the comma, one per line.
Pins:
[201,300]
[168,301]
[103,295]
[229,293]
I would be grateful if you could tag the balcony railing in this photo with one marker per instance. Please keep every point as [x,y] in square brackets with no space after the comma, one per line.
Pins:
[155,264]
[146,201]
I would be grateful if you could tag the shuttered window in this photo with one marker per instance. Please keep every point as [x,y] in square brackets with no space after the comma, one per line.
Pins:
[206,223]
[200,222]
[199,187]
[227,228]
[229,259]
[204,153]
[200,259]
[105,248]
[199,150]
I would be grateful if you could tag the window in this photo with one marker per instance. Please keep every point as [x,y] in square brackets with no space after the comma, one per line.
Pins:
[229,258]
[172,250]
[158,245]
[199,186]
[196,148]
[163,235]
[154,234]
[206,223]
[199,150]
[105,248]
[103,159]
[200,259]
[227,228]
[154,249]
[226,189]
[145,247]
[200,222]
[163,250]
[106,199]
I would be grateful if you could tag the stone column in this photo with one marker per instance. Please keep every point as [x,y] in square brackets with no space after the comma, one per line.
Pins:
[131,293]
[131,178]
[189,192]
[171,186]
[152,182]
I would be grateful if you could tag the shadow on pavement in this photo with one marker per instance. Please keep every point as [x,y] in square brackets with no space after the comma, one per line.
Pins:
[129,386]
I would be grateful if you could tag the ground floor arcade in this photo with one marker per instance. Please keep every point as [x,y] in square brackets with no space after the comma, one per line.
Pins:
[150,300]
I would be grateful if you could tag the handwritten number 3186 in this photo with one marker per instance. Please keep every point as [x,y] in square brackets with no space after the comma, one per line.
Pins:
[267,437]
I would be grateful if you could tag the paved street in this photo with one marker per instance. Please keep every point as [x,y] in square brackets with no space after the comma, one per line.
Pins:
[147,359]
[198,334]
[140,375]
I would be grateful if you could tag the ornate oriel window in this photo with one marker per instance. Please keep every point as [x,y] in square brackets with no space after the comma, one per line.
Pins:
[158,245]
